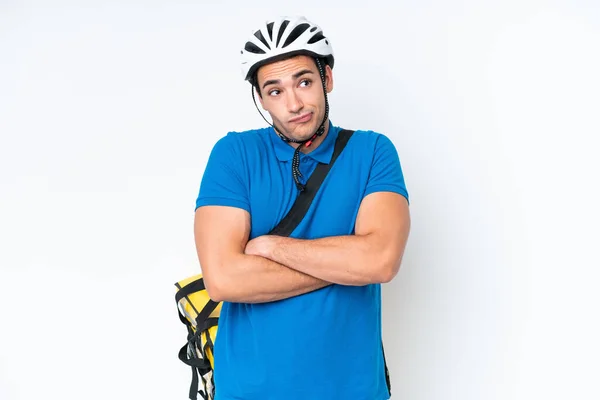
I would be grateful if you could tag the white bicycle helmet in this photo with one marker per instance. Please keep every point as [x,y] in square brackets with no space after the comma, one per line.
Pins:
[281,38]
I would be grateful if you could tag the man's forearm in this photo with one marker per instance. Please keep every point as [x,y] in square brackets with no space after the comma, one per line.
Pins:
[347,260]
[254,279]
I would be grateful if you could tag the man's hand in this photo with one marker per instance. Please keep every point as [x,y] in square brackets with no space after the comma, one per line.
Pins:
[262,246]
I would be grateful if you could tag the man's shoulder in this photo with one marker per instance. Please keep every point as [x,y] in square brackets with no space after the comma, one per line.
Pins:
[364,134]
[369,139]
[246,136]
[236,144]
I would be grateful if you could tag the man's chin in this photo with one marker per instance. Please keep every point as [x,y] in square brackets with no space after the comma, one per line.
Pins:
[299,132]
[304,132]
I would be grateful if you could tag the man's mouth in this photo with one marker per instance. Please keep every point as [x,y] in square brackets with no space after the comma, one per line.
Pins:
[301,118]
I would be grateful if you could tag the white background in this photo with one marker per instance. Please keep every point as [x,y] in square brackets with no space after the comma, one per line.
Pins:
[108,111]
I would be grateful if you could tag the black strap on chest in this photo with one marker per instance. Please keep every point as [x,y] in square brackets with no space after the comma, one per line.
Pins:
[287,225]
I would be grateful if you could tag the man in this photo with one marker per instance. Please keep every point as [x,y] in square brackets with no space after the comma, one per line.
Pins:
[301,316]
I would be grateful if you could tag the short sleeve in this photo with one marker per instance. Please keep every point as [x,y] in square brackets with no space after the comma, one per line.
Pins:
[386,172]
[223,181]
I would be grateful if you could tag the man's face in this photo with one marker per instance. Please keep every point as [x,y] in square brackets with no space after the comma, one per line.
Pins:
[292,93]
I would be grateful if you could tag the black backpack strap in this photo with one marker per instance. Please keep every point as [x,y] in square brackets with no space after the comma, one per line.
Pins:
[202,319]
[287,225]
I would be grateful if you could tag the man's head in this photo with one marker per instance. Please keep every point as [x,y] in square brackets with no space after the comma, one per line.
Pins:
[291,91]
[289,62]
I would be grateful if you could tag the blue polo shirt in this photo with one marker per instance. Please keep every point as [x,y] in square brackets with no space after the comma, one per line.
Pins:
[323,345]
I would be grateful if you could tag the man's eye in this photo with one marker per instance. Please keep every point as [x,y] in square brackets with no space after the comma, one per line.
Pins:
[274,92]
[305,82]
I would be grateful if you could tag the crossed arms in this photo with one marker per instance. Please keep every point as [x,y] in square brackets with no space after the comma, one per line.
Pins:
[270,268]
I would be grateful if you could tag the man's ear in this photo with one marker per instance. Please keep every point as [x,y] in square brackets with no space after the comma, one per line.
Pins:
[328,78]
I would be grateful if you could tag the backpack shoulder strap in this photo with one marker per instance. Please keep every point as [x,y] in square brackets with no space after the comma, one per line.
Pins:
[287,225]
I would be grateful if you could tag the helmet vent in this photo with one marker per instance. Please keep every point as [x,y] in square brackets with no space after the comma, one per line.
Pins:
[252,48]
[316,38]
[284,25]
[260,37]
[270,30]
[296,32]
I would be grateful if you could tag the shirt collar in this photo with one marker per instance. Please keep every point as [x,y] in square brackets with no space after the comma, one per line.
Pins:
[322,154]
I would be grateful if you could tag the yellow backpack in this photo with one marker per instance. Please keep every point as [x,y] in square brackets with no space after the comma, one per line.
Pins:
[200,314]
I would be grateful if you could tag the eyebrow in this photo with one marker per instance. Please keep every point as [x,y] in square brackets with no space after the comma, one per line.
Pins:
[295,76]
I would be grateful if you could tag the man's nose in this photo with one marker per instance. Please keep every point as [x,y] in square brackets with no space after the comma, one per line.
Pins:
[294,102]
